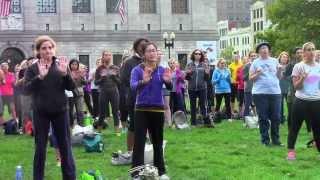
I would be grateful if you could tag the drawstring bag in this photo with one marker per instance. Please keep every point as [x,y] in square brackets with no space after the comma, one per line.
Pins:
[11,127]
[180,120]
[251,122]
[93,143]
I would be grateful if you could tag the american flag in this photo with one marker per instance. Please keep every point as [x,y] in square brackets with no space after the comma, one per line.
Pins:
[5,8]
[122,10]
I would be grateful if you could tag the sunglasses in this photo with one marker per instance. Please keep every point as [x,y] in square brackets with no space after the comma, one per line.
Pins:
[197,53]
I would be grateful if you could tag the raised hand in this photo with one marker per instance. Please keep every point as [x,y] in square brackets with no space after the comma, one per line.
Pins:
[167,76]
[63,65]
[147,74]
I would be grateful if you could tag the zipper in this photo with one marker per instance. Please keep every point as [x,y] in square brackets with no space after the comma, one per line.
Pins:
[196,78]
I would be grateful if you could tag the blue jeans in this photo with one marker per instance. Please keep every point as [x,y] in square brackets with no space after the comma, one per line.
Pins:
[268,109]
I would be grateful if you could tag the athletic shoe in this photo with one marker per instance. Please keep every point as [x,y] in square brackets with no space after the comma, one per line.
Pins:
[291,155]
[164,177]
[119,158]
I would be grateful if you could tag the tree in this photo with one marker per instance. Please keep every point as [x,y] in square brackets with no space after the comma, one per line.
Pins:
[294,23]
[227,53]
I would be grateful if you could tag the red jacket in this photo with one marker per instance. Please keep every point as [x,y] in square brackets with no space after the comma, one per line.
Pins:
[240,78]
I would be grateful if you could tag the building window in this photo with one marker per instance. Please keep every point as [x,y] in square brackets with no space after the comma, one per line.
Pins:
[116,27]
[230,4]
[15,7]
[84,59]
[81,6]
[147,6]
[180,27]
[112,6]
[47,27]
[254,14]
[261,12]
[47,6]
[82,27]
[179,6]
[254,27]
[149,27]
[261,25]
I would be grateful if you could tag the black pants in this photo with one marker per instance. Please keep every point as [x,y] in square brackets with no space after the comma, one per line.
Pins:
[60,125]
[177,102]
[124,113]
[227,99]
[202,95]
[290,113]
[95,102]
[152,122]
[302,110]
[109,96]
[87,100]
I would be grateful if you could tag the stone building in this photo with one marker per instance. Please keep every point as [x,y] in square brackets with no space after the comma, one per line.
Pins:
[84,28]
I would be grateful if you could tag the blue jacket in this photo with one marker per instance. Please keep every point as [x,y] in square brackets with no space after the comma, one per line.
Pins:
[221,79]
[149,96]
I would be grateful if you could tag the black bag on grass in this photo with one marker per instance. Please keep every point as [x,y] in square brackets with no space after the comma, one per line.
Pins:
[11,127]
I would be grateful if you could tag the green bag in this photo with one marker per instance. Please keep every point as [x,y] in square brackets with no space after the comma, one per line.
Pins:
[87,121]
[93,143]
[91,175]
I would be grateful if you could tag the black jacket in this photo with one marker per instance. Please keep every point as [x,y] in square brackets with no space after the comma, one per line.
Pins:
[48,95]
[125,76]
[108,81]
[197,79]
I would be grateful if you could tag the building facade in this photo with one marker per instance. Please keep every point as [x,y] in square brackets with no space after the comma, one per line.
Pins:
[235,11]
[238,38]
[84,28]
[259,20]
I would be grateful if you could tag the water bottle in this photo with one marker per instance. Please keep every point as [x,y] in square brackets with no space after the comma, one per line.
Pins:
[19,173]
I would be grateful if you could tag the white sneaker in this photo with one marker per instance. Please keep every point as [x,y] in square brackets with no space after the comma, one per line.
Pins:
[164,177]
[230,120]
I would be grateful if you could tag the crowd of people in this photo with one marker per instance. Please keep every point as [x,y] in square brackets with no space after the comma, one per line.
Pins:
[145,90]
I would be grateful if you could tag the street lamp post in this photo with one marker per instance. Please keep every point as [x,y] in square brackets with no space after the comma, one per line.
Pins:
[169,41]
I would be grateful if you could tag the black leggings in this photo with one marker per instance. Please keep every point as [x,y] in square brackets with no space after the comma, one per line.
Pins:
[87,100]
[95,102]
[112,96]
[227,97]
[152,122]
[304,110]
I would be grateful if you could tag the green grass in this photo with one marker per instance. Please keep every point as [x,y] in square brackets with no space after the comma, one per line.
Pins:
[228,152]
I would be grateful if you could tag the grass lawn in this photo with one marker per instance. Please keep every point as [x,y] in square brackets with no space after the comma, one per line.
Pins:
[228,151]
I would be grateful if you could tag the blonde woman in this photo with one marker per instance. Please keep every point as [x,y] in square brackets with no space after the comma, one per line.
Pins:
[284,60]
[46,81]
[221,80]
[306,80]
[177,92]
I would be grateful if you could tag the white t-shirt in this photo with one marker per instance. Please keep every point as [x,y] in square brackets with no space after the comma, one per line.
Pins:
[311,85]
[267,82]
[91,76]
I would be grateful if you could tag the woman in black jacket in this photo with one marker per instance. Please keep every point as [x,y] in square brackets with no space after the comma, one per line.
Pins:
[46,81]
[108,79]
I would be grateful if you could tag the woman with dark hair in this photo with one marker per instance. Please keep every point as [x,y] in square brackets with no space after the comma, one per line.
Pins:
[306,81]
[147,80]
[108,79]
[77,99]
[46,81]
[197,74]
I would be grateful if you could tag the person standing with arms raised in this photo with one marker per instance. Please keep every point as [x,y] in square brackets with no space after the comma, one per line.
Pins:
[46,81]
[265,72]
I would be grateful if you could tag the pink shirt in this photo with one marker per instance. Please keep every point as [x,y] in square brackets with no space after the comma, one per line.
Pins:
[6,88]
[239,78]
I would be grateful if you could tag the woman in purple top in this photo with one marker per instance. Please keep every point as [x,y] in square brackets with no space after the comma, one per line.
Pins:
[147,80]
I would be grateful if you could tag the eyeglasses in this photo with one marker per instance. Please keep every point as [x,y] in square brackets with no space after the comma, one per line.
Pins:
[197,53]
